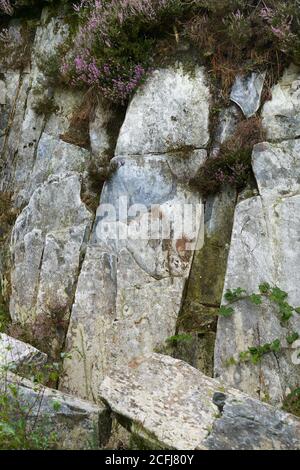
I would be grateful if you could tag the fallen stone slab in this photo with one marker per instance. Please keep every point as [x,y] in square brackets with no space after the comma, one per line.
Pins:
[171,405]
[16,355]
[77,424]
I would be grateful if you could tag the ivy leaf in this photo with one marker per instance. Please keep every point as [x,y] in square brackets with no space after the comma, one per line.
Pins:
[285,310]
[256,299]
[276,346]
[244,356]
[226,311]
[264,288]
[292,337]
[235,294]
[297,310]
[278,295]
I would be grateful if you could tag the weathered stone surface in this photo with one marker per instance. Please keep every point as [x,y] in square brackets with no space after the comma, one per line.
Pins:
[67,102]
[100,133]
[277,170]
[246,92]
[128,297]
[281,115]
[15,354]
[169,112]
[185,165]
[92,314]
[206,281]
[55,157]
[11,118]
[171,405]
[2,92]
[46,247]
[226,126]
[264,248]
[77,424]
[28,125]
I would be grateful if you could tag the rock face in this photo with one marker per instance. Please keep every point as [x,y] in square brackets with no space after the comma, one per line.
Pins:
[47,243]
[246,93]
[171,405]
[131,284]
[17,355]
[169,112]
[281,115]
[76,424]
[265,248]
[149,266]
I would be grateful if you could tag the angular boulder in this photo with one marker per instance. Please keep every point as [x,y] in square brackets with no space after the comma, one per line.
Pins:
[16,355]
[281,115]
[129,290]
[171,405]
[170,111]
[246,92]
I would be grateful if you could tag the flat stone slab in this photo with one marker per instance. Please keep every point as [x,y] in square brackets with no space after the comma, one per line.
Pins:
[174,406]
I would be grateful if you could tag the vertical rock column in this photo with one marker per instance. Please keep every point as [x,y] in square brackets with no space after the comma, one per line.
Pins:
[265,248]
[130,289]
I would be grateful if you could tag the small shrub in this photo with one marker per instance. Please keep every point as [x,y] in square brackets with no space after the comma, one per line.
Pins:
[233,164]
[8,214]
[291,403]
[21,426]
[45,106]
[114,42]
[236,36]
[78,132]
[179,338]
[5,319]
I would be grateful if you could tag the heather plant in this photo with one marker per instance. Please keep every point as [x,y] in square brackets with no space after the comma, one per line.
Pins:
[236,36]
[291,403]
[113,44]
[232,166]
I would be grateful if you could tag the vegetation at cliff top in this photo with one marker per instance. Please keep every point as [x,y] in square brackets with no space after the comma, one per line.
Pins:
[114,43]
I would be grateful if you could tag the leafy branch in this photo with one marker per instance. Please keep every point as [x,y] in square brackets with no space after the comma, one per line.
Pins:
[278,297]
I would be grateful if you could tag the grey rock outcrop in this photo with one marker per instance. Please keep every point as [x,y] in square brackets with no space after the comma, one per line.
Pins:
[265,248]
[169,112]
[130,287]
[171,405]
[47,242]
[281,115]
